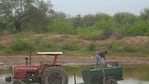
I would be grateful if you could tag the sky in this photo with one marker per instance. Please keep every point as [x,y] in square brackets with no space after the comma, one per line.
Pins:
[84,7]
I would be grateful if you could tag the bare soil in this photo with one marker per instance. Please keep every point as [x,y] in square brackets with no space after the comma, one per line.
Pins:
[139,40]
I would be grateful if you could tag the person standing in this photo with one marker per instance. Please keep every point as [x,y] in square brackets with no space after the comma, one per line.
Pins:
[100,57]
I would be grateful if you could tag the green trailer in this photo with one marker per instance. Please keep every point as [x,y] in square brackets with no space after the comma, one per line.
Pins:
[112,72]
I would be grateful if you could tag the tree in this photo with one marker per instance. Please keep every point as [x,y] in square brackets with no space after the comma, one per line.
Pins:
[140,28]
[76,21]
[102,16]
[125,18]
[59,15]
[104,22]
[61,26]
[20,11]
[125,21]
[145,14]
[3,25]
[88,20]
[39,15]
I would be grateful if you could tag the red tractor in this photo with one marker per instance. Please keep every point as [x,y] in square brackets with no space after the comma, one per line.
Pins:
[41,74]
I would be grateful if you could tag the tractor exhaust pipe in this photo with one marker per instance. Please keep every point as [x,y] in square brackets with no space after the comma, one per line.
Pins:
[30,58]
[26,61]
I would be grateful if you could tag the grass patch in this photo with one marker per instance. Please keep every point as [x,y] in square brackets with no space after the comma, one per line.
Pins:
[120,48]
[70,46]
[1,46]
[20,46]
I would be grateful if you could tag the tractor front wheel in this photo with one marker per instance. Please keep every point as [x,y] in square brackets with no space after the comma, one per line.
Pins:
[54,75]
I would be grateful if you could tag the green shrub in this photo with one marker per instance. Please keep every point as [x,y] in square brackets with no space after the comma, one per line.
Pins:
[38,40]
[91,47]
[87,33]
[61,26]
[91,36]
[21,45]
[115,45]
[50,45]
[71,45]
[2,49]
[1,46]
[131,48]
[147,44]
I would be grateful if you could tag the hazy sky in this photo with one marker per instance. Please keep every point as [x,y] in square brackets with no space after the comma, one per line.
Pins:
[83,7]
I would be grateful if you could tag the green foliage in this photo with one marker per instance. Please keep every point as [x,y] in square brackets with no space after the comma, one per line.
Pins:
[124,21]
[104,22]
[36,16]
[140,29]
[26,15]
[70,46]
[1,46]
[20,45]
[50,46]
[119,47]
[145,14]
[38,40]
[114,45]
[147,44]
[131,48]
[125,18]
[61,26]
[91,47]
[89,34]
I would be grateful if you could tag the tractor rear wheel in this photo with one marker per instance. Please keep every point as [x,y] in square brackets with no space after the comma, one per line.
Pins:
[18,82]
[54,75]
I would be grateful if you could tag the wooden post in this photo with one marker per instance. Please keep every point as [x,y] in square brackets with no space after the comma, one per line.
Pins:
[103,72]
[75,78]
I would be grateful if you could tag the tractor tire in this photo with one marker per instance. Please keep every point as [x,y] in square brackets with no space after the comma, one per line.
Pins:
[18,82]
[8,79]
[111,81]
[54,75]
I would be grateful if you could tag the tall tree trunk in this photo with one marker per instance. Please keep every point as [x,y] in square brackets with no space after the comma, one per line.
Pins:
[18,26]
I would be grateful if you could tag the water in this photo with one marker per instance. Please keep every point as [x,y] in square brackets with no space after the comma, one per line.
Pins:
[133,74]
[126,81]
[79,80]
[2,79]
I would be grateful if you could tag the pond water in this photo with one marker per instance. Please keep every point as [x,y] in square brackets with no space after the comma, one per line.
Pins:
[133,74]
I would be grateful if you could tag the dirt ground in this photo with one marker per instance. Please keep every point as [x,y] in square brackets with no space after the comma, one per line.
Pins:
[70,60]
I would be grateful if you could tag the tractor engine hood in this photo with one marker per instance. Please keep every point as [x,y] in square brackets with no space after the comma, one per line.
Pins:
[26,68]
[20,72]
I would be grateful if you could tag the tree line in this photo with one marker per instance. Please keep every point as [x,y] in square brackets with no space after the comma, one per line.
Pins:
[37,16]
